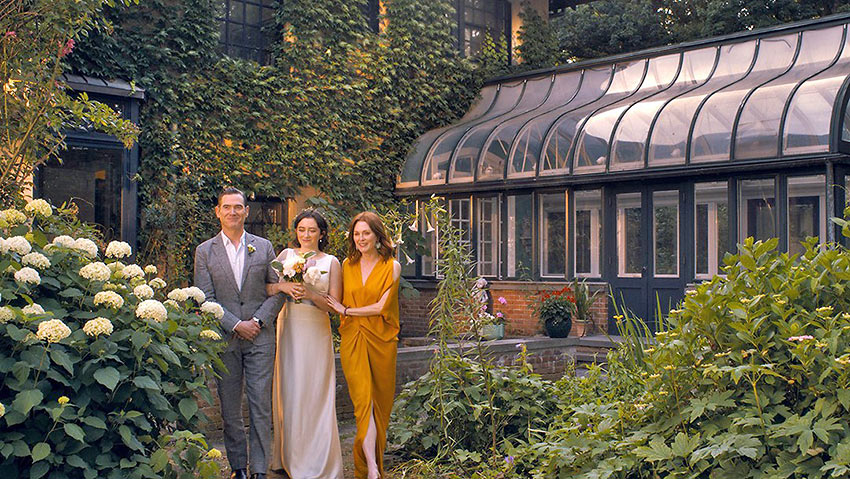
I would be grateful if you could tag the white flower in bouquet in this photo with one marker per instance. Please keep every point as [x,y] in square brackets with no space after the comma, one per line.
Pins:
[97,326]
[195,293]
[33,309]
[39,207]
[313,275]
[36,260]
[151,309]
[110,299]
[178,294]
[27,276]
[18,244]
[210,334]
[132,271]
[85,246]
[157,283]
[64,241]
[52,331]
[96,271]
[293,265]
[6,314]
[215,309]
[118,249]
[150,269]
[13,217]
[143,292]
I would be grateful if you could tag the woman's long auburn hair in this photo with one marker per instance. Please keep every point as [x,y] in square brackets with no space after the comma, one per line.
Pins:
[386,249]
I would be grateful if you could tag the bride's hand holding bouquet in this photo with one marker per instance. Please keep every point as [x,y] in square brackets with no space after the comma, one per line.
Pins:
[297,272]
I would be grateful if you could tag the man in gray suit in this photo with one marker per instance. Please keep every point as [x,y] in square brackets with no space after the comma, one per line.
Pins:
[232,269]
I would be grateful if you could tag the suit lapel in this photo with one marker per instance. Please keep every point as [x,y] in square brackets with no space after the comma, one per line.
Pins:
[249,243]
[220,256]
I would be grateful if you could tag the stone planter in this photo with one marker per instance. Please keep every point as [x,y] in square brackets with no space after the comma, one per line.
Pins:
[493,331]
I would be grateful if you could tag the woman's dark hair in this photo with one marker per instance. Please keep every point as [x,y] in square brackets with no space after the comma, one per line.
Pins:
[320,221]
[385,246]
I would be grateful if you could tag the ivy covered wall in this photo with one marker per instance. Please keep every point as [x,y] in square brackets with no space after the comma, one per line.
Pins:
[337,109]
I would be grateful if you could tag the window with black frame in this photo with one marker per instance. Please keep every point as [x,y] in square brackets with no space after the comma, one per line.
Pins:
[476,19]
[264,214]
[246,29]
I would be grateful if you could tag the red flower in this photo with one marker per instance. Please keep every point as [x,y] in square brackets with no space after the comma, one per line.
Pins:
[67,48]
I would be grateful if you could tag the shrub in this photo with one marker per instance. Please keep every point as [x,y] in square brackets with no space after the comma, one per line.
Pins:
[98,376]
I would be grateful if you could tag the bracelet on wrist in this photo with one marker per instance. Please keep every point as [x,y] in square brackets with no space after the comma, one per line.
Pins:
[345,312]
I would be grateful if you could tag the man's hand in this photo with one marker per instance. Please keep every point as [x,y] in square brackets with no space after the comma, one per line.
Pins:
[247,330]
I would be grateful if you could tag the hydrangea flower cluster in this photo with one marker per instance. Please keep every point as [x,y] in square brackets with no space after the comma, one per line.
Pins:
[96,271]
[210,334]
[132,271]
[36,260]
[143,292]
[18,244]
[215,309]
[85,246]
[39,207]
[97,326]
[157,283]
[109,299]
[12,217]
[33,309]
[118,249]
[27,275]
[6,314]
[151,309]
[178,294]
[52,331]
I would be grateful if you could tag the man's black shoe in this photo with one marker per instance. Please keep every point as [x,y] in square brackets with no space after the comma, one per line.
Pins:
[258,475]
[239,474]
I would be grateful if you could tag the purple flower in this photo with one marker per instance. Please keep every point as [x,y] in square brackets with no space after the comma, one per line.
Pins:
[502,300]
[509,460]
[500,315]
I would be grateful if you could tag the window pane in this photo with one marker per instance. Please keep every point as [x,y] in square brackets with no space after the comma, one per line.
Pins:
[712,138]
[553,237]
[588,232]
[665,232]
[488,236]
[806,210]
[669,136]
[460,212]
[520,250]
[629,237]
[756,209]
[711,228]
[758,127]
[91,178]
[429,231]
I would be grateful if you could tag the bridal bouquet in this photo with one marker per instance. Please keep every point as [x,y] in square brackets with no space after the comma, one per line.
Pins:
[299,268]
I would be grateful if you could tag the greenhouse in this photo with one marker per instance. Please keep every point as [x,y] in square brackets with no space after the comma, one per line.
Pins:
[641,171]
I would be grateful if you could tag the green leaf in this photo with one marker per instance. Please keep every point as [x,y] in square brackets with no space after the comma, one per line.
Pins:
[159,459]
[40,451]
[129,438]
[107,376]
[62,358]
[39,469]
[145,382]
[75,431]
[139,339]
[71,293]
[26,400]
[188,407]
[94,422]
[76,461]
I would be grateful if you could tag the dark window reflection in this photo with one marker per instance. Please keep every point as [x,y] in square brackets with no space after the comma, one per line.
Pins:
[247,29]
[264,215]
[91,178]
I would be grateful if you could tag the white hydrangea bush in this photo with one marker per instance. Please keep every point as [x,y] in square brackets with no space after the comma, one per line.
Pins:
[80,321]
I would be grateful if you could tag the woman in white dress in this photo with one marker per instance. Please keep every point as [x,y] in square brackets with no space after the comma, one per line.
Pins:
[306,438]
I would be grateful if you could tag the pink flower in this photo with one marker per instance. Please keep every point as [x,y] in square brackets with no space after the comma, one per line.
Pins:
[500,315]
[800,339]
[502,300]
[11,34]
[68,48]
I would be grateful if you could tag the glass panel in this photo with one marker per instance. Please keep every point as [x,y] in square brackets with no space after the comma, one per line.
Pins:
[592,145]
[807,123]
[669,136]
[91,178]
[429,231]
[632,132]
[758,127]
[437,164]
[527,146]
[627,78]
[470,145]
[712,138]
[665,233]
[806,210]
[553,235]
[412,170]
[520,239]
[629,237]
[460,213]
[756,212]
[498,146]
[488,236]
[588,233]
[711,227]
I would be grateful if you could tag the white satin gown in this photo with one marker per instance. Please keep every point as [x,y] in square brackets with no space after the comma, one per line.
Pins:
[306,436]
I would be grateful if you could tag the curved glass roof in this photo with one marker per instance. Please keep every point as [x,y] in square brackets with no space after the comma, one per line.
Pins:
[754,96]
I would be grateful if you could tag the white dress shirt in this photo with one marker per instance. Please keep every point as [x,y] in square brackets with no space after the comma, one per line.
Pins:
[236,255]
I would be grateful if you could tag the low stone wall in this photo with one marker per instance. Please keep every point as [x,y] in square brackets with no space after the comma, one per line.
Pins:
[549,358]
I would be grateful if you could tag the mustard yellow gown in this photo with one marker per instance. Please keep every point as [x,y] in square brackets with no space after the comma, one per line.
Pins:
[368,354]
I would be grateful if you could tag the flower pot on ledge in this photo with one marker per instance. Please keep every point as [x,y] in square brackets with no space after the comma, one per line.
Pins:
[493,331]
[558,329]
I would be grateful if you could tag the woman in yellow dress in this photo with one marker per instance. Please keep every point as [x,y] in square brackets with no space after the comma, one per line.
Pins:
[369,332]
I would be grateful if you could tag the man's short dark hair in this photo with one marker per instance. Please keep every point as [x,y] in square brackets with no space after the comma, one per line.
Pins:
[232,191]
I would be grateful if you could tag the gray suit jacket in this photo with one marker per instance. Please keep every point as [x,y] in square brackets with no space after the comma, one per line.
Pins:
[214,276]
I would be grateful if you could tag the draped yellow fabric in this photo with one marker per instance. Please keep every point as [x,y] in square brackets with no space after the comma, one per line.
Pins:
[368,354]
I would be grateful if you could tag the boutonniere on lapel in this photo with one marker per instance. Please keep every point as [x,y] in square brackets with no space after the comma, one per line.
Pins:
[251,249]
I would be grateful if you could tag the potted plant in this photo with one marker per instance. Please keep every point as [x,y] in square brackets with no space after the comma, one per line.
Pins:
[556,311]
[493,326]
[584,300]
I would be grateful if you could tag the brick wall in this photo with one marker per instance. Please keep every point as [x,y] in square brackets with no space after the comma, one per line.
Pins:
[521,297]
